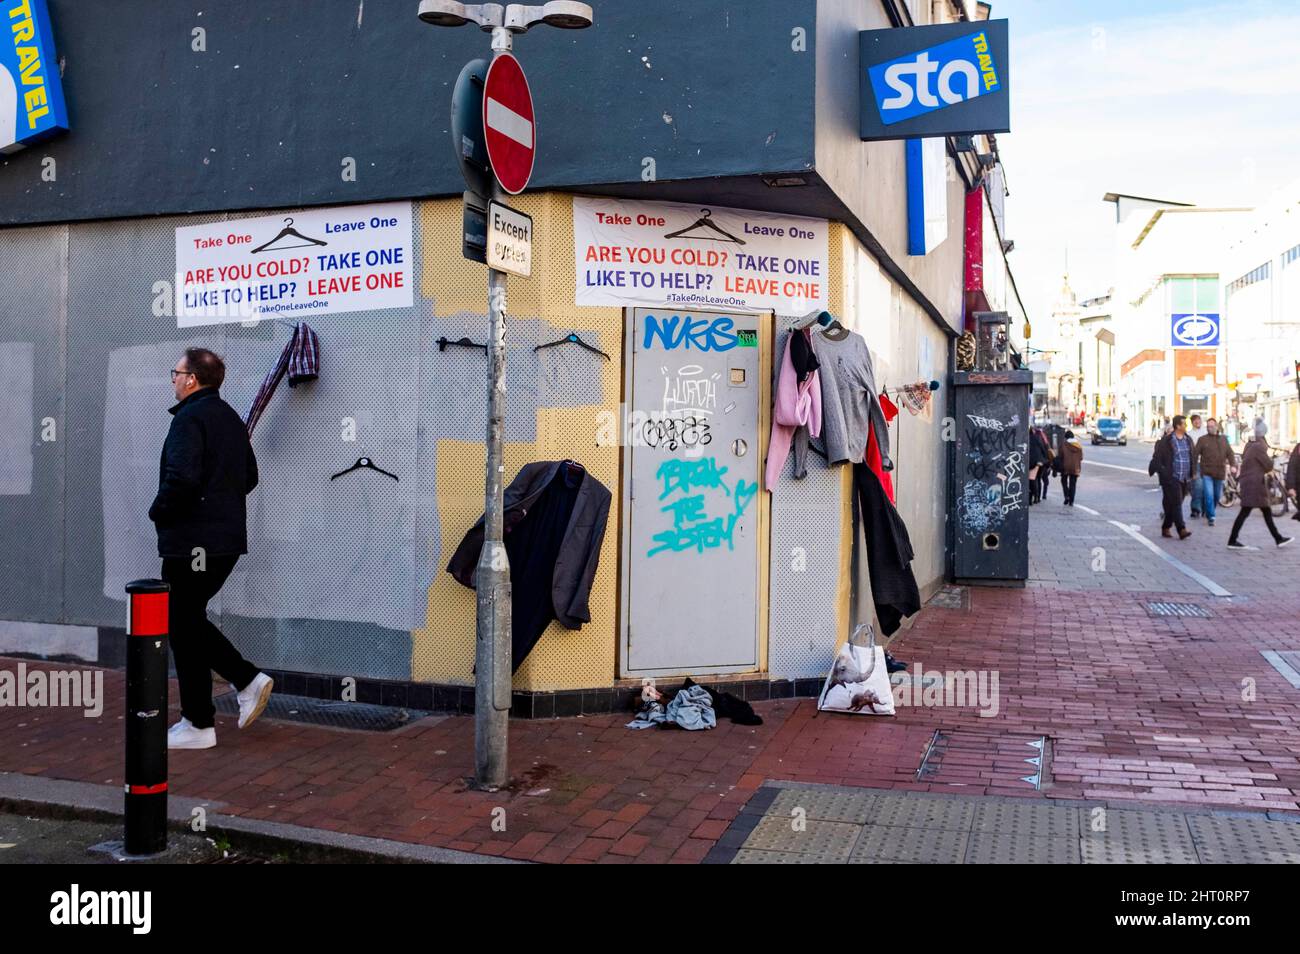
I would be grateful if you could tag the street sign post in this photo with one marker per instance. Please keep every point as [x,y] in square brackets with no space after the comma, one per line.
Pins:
[509,240]
[508,136]
[508,124]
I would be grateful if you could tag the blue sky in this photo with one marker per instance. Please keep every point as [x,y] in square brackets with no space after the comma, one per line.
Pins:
[1193,101]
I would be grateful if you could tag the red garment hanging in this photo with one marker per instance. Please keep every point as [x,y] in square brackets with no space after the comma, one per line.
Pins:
[873,460]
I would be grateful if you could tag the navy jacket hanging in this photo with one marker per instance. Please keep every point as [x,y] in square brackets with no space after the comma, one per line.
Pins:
[555,515]
[888,552]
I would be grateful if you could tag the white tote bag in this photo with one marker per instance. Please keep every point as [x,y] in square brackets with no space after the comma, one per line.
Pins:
[858,682]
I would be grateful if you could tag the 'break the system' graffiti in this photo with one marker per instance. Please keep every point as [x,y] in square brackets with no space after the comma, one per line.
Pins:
[693,528]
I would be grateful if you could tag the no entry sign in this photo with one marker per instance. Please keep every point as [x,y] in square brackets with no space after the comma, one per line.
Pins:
[508,125]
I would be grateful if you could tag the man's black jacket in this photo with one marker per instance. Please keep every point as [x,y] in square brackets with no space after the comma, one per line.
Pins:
[1162,460]
[207,469]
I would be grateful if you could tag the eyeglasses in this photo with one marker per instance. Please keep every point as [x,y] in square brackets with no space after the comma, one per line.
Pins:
[175,372]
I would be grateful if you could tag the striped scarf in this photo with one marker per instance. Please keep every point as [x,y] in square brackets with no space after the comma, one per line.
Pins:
[300,358]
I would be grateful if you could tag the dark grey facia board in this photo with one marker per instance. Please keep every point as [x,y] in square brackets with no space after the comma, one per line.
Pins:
[870,178]
[284,92]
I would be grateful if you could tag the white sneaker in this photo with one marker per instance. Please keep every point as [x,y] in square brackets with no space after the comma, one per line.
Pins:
[183,735]
[253,699]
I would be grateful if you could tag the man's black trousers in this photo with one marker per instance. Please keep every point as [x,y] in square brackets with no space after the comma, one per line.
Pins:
[1172,492]
[198,647]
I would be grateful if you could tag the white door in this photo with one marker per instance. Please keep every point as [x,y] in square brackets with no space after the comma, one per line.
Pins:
[691,603]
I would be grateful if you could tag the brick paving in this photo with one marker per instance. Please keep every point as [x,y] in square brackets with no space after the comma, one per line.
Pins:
[1135,709]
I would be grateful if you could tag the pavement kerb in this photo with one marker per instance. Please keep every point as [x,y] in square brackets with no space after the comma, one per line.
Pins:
[84,801]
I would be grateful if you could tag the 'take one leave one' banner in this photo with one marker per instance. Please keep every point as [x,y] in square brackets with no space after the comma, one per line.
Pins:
[669,253]
[316,262]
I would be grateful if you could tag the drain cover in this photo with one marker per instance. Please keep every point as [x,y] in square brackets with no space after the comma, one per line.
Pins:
[951,597]
[1161,608]
[972,758]
[329,712]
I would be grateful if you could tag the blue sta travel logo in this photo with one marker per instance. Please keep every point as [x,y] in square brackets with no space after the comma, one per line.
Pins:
[31,95]
[938,76]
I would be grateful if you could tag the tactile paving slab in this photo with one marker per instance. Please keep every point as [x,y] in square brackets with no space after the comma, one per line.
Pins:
[911,810]
[904,827]
[1013,847]
[823,805]
[926,846]
[749,856]
[1032,819]
[823,841]
[329,712]
[1222,839]
[1137,837]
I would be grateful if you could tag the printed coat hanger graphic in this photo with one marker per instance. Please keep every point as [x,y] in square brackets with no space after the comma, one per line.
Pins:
[572,338]
[364,463]
[288,230]
[704,221]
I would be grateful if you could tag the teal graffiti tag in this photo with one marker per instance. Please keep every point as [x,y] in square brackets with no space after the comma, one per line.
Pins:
[693,528]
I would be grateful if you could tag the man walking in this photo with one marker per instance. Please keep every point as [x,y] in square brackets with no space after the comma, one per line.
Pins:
[1196,432]
[1071,458]
[1212,457]
[207,469]
[1172,463]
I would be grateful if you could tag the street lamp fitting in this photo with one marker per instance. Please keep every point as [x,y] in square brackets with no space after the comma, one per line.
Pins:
[515,17]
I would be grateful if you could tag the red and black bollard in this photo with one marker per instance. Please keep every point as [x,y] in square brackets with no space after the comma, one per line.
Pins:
[146,717]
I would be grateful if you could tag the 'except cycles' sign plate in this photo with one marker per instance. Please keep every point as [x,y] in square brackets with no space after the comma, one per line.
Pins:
[509,240]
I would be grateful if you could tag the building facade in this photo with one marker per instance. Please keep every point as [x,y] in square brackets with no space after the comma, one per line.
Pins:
[724,128]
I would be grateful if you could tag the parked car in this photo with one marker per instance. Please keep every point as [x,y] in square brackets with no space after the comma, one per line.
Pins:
[1109,430]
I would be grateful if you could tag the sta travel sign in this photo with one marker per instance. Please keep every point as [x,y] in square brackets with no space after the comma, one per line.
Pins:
[31,93]
[942,80]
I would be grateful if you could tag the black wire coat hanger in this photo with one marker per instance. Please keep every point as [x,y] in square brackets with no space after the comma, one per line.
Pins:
[460,343]
[572,338]
[288,230]
[364,463]
[705,222]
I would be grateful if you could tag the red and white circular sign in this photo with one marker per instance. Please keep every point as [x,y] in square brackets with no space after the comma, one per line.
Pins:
[508,125]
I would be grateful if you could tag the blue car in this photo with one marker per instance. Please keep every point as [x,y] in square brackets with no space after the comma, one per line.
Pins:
[1109,430]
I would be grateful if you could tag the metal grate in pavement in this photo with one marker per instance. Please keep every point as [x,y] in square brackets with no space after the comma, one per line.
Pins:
[951,597]
[1166,608]
[329,712]
[980,758]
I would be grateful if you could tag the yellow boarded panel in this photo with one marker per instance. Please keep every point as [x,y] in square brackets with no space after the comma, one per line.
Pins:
[443,649]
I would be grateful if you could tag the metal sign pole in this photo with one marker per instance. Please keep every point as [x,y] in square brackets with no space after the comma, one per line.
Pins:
[492,655]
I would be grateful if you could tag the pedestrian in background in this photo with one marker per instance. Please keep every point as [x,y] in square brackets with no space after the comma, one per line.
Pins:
[1212,458]
[206,471]
[1071,459]
[1293,480]
[1256,462]
[1196,432]
[1172,463]
[1039,460]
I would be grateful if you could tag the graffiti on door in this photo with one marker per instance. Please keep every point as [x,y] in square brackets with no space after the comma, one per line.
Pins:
[698,489]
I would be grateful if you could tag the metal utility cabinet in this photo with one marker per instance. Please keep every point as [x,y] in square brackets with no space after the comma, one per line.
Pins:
[990,477]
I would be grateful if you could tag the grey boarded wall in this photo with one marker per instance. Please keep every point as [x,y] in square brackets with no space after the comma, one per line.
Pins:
[339,572]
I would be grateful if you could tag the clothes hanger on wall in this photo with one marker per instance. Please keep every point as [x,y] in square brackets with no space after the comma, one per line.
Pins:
[572,338]
[460,343]
[823,318]
[364,463]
